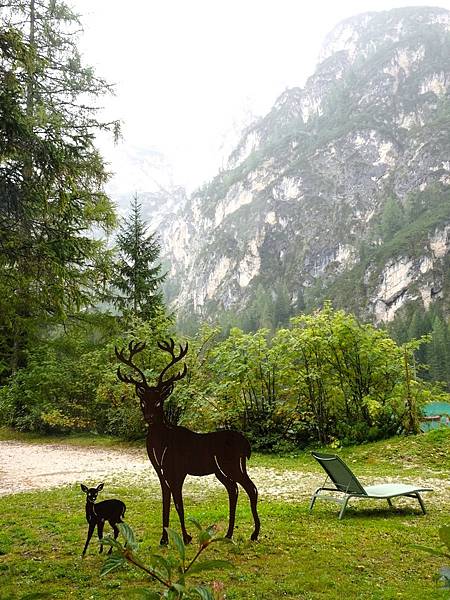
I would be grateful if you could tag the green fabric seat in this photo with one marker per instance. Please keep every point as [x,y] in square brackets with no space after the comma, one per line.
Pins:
[346,483]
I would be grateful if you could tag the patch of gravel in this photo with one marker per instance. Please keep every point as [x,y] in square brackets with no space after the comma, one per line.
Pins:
[25,467]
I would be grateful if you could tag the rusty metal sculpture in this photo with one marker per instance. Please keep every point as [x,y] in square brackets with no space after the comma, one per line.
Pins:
[176,452]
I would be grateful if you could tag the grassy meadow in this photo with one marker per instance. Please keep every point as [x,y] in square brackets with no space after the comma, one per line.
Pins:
[368,554]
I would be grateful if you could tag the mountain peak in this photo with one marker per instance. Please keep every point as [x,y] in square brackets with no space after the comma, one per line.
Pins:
[342,190]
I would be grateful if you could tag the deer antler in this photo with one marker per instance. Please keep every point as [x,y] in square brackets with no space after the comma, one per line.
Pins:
[170,348]
[133,348]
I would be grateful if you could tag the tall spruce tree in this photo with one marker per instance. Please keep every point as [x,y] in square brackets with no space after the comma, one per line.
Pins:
[51,175]
[139,277]
[392,219]
[439,351]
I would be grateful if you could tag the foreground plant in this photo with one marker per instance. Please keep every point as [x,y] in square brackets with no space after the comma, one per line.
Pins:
[442,550]
[170,572]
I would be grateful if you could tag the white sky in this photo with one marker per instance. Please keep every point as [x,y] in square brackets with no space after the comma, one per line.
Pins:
[187,70]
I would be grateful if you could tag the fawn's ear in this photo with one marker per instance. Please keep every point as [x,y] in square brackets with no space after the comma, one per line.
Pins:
[84,488]
[100,487]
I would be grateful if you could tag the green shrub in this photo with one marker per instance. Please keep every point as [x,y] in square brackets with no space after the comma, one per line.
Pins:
[171,573]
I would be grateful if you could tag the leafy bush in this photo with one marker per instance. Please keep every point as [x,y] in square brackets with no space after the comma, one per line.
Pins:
[70,382]
[325,378]
[170,572]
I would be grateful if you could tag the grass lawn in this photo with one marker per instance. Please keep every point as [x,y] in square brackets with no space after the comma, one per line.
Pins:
[299,556]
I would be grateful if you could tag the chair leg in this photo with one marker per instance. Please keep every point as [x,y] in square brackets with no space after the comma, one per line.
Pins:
[313,499]
[422,505]
[344,506]
[390,503]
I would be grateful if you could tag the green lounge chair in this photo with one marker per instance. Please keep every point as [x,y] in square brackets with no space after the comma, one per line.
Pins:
[346,483]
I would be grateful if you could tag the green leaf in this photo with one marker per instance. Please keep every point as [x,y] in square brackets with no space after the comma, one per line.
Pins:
[35,596]
[208,565]
[195,523]
[177,541]
[204,592]
[109,541]
[113,562]
[432,551]
[162,565]
[128,535]
[204,537]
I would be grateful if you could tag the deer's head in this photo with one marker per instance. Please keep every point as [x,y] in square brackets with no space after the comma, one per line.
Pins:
[92,493]
[152,396]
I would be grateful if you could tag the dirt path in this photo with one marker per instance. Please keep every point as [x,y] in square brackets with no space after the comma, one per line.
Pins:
[25,467]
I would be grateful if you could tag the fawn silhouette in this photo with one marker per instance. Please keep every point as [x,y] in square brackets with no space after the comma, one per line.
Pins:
[112,511]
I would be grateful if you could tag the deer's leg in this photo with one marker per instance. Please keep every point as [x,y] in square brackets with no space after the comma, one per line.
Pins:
[100,526]
[116,532]
[252,493]
[165,490]
[177,494]
[89,535]
[233,493]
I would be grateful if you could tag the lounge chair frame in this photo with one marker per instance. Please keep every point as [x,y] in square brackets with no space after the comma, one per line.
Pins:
[345,482]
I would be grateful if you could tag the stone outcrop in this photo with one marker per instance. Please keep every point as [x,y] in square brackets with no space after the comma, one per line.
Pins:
[304,201]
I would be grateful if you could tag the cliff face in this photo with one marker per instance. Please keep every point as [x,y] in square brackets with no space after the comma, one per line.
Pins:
[342,190]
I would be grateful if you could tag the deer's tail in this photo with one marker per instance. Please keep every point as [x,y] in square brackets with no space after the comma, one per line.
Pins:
[236,444]
[246,448]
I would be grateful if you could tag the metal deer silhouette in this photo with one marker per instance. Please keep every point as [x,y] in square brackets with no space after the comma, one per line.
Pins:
[112,511]
[176,451]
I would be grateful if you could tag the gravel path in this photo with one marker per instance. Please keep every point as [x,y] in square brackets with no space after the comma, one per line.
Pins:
[25,467]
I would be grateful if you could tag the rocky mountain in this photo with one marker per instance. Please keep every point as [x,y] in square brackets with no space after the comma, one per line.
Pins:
[341,191]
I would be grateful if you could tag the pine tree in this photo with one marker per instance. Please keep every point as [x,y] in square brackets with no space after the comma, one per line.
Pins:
[54,183]
[282,305]
[438,351]
[263,306]
[51,175]
[138,272]
[419,325]
[391,219]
